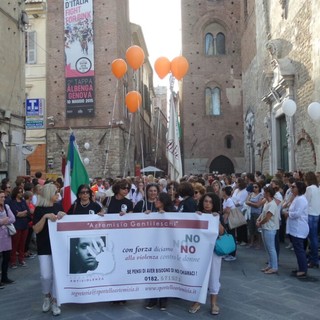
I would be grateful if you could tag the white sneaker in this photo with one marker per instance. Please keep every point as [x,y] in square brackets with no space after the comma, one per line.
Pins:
[55,309]
[230,258]
[46,304]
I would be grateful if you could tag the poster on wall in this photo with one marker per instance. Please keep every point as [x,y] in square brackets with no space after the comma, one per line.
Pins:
[79,57]
[136,256]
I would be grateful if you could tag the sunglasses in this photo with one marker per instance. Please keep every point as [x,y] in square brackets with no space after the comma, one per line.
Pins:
[85,192]
[125,188]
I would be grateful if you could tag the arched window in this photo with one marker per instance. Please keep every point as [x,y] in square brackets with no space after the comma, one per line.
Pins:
[221,47]
[213,104]
[209,44]
[214,39]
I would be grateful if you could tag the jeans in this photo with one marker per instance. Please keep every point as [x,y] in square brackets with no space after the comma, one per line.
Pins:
[268,237]
[313,237]
[298,246]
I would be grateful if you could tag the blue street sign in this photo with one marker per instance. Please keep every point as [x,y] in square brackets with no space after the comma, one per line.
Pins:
[34,107]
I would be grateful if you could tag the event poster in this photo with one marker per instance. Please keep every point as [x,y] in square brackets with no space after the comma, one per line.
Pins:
[79,57]
[135,256]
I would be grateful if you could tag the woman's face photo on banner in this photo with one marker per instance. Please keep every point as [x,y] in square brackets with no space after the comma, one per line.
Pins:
[83,252]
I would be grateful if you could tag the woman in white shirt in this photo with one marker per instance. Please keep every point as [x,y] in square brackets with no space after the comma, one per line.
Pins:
[298,228]
[227,205]
[239,197]
[313,197]
[269,222]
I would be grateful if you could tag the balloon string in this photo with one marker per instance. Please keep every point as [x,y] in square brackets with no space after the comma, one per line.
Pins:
[110,133]
[128,145]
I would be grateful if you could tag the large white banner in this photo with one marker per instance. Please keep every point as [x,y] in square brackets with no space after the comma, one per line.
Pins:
[135,256]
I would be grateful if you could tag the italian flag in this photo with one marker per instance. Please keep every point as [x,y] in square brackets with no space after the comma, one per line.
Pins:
[75,174]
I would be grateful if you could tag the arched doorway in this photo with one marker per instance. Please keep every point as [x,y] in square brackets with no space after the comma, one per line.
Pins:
[221,164]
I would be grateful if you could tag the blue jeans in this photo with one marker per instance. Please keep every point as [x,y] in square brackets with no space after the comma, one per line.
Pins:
[298,246]
[268,237]
[313,237]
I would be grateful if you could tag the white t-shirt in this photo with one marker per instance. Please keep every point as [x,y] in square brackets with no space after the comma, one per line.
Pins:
[228,203]
[273,223]
[313,197]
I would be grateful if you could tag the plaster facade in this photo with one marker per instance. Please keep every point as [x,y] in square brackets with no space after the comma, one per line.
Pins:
[12,89]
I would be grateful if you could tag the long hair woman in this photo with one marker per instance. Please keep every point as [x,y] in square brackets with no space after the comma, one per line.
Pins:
[210,204]
[46,210]
[147,204]
[84,204]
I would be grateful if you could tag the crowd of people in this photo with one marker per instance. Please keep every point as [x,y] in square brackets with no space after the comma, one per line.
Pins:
[282,208]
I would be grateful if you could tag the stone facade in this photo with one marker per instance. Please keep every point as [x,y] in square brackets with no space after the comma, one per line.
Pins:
[12,89]
[212,140]
[281,62]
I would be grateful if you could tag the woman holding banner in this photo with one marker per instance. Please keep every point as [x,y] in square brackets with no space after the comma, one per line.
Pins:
[210,204]
[163,204]
[46,210]
[84,203]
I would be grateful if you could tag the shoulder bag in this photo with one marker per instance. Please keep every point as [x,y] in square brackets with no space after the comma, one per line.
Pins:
[236,218]
[11,228]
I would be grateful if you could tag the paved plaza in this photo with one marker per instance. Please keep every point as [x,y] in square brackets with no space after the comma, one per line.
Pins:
[246,293]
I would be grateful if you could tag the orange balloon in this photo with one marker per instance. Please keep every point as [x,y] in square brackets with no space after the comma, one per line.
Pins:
[119,68]
[135,57]
[162,67]
[133,101]
[179,67]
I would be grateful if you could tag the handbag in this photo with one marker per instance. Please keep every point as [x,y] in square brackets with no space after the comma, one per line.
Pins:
[11,229]
[225,244]
[236,218]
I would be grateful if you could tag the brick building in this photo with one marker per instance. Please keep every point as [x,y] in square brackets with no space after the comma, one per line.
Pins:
[280,60]
[103,121]
[211,108]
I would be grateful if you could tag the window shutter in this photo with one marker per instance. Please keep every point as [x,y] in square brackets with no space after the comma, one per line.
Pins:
[31,47]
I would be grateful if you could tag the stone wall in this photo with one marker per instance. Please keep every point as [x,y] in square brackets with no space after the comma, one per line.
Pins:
[295,26]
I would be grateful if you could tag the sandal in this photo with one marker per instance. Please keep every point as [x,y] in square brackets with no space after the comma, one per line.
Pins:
[271,271]
[265,269]
[194,308]
[215,310]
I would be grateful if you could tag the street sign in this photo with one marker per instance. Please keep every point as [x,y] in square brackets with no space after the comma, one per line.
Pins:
[35,107]
[34,123]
